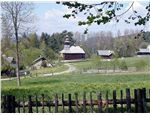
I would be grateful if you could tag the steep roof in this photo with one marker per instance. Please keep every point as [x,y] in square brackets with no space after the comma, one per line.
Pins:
[73,50]
[38,59]
[104,52]
[144,50]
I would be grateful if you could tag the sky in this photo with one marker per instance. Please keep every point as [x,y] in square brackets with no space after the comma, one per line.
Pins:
[49,18]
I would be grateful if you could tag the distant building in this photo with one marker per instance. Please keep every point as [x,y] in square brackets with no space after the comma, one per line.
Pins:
[71,52]
[105,54]
[144,52]
[40,62]
[10,60]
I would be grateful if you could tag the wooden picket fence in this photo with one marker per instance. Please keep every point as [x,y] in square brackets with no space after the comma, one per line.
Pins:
[139,103]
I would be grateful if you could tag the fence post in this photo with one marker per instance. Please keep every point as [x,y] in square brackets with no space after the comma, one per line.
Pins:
[63,103]
[99,100]
[84,102]
[36,99]
[70,103]
[23,105]
[107,102]
[56,103]
[121,101]
[19,105]
[3,104]
[91,102]
[13,104]
[30,104]
[76,102]
[139,104]
[8,104]
[42,103]
[114,101]
[135,100]
[143,92]
[128,100]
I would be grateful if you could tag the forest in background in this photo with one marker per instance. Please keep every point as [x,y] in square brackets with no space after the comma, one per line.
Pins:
[31,46]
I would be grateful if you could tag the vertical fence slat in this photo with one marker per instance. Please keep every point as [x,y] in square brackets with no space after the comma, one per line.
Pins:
[99,100]
[128,100]
[63,109]
[42,103]
[69,103]
[56,103]
[114,101]
[106,110]
[49,105]
[3,104]
[144,100]
[135,100]
[36,99]
[19,105]
[84,102]
[13,104]
[139,105]
[23,105]
[29,104]
[76,102]
[91,103]
[121,101]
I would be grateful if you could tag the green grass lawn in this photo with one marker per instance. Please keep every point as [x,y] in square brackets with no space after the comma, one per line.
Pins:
[138,62]
[76,83]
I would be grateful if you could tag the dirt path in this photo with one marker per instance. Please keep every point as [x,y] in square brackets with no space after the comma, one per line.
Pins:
[70,69]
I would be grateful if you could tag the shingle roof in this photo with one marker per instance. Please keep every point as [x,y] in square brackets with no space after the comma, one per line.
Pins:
[38,59]
[104,52]
[73,50]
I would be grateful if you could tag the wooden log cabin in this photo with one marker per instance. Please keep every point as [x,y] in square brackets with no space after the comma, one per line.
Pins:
[71,52]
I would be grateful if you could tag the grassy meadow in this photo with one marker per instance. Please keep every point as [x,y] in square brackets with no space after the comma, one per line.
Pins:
[76,83]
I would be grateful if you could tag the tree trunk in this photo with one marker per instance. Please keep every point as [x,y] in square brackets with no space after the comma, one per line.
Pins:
[17,59]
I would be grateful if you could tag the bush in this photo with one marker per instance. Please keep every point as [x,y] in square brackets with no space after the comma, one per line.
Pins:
[8,70]
[123,65]
[140,65]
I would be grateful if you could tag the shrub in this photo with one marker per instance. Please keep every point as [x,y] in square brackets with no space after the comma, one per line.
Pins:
[8,70]
[123,65]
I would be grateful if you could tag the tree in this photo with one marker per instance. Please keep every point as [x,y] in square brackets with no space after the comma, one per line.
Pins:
[18,16]
[104,13]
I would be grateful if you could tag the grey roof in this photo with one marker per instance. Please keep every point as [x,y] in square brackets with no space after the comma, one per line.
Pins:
[144,51]
[104,52]
[73,50]
[38,59]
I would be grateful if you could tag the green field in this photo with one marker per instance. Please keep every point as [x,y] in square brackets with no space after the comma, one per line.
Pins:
[57,68]
[140,63]
[76,83]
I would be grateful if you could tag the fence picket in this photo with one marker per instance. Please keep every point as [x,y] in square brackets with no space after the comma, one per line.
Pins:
[114,101]
[36,99]
[107,104]
[19,105]
[69,103]
[99,100]
[56,103]
[121,101]
[76,102]
[23,105]
[91,103]
[63,103]
[128,100]
[30,104]
[84,102]
[135,100]
[139,105]
[42,103]
[49,105]
[144,100]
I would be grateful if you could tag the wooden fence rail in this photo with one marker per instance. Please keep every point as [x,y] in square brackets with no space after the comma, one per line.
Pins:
[140,103]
